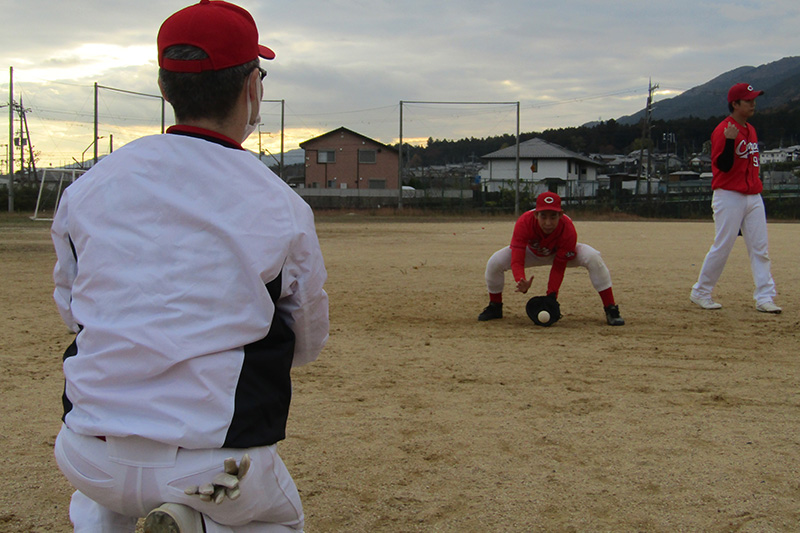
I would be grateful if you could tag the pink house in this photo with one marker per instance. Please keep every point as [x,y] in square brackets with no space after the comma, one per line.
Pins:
[344,159]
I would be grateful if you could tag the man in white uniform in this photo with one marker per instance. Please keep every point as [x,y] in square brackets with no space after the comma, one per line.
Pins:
[193,278]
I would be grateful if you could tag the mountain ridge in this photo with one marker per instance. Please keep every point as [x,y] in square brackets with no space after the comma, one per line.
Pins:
[780,81]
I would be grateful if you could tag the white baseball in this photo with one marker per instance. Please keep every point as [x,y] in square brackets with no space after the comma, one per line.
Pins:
[543,317]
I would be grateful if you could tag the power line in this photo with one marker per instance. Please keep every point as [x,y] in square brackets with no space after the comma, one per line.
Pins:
[333,113]
[584,98]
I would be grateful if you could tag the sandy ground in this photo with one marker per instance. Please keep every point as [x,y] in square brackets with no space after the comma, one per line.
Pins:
[417,417]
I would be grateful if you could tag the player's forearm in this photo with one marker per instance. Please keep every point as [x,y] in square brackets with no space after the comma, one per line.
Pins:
[310,324]
[66,268]
[725,158]
[518,263]
[304,302]
[556,276]
[63,297]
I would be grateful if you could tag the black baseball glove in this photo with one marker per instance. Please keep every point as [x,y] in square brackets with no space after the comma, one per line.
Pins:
[548,303]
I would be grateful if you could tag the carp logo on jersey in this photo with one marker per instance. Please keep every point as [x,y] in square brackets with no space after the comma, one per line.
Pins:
[746,149]
[540,250]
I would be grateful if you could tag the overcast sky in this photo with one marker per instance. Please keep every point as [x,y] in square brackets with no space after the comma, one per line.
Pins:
[350,62]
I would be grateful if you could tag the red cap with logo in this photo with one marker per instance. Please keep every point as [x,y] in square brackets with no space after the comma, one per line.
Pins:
[742,91]
[225,32]
[548,201]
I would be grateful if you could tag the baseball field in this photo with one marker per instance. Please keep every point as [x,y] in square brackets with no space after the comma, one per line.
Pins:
[417,417]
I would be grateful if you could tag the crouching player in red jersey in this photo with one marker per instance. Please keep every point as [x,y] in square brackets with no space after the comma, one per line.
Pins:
[546,236]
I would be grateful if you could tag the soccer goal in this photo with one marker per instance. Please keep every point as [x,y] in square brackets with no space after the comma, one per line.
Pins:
[52,185]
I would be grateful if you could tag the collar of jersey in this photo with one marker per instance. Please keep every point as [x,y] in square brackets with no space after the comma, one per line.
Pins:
[202,133]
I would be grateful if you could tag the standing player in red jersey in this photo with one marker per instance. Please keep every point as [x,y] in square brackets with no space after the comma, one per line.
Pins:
[737,203]
[546,236]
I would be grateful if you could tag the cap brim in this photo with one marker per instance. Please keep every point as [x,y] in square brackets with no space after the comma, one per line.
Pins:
[752,95]
[265,52]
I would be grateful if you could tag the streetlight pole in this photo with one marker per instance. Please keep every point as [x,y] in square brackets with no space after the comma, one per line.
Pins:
[93,143]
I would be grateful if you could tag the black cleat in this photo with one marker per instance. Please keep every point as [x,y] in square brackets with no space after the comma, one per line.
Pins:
[612,316]
[492,311]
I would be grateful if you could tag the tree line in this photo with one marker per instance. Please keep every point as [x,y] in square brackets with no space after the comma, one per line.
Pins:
[687,137]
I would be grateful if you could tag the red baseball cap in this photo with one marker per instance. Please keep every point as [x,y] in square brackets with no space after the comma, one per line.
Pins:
[742,91]
[227,33]
[548,201]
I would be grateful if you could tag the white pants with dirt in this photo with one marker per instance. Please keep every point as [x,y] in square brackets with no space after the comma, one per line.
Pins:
[585,256]
[734,211]
[121,479]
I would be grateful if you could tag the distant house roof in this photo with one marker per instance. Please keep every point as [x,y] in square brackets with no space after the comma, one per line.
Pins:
[342,129]
[540,149]
[794,148]
[620,160]
[685,173]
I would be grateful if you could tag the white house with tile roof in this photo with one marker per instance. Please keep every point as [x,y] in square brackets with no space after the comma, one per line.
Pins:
[543,166]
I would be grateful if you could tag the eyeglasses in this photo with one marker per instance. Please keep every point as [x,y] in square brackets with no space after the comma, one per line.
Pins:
[262,73]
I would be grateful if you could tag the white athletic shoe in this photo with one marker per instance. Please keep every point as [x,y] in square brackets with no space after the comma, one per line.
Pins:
[705,303]
[768,307]
[173,518]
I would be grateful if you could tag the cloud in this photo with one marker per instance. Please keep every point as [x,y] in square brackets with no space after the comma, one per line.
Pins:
[350,62]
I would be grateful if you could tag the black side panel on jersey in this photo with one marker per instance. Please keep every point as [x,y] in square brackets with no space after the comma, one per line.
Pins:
[264,391]
[72,350]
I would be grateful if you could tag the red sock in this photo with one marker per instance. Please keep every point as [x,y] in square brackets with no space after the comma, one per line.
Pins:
[496,297]
[607,296]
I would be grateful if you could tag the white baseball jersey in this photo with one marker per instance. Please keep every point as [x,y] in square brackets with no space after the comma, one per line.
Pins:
[194,278]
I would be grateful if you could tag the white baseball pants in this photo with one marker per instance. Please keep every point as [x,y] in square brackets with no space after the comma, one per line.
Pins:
[585,256]
[121,479]
[734,211]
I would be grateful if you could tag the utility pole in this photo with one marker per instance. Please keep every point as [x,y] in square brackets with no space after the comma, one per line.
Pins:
[283,105]
[23,140]
[516,165]
[31,158]
[669,137]
[645,136]
[20,141]
[95,124]
[400,162]
[10,139]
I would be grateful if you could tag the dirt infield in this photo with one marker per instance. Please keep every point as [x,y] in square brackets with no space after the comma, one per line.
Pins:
[419,418]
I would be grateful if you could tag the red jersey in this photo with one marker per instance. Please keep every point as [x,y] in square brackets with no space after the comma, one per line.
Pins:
[561,243]
[743,176]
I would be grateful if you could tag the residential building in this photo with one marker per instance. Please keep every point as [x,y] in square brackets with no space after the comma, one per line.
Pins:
[780,155]
[543,166]
[701,163]
[344,159]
